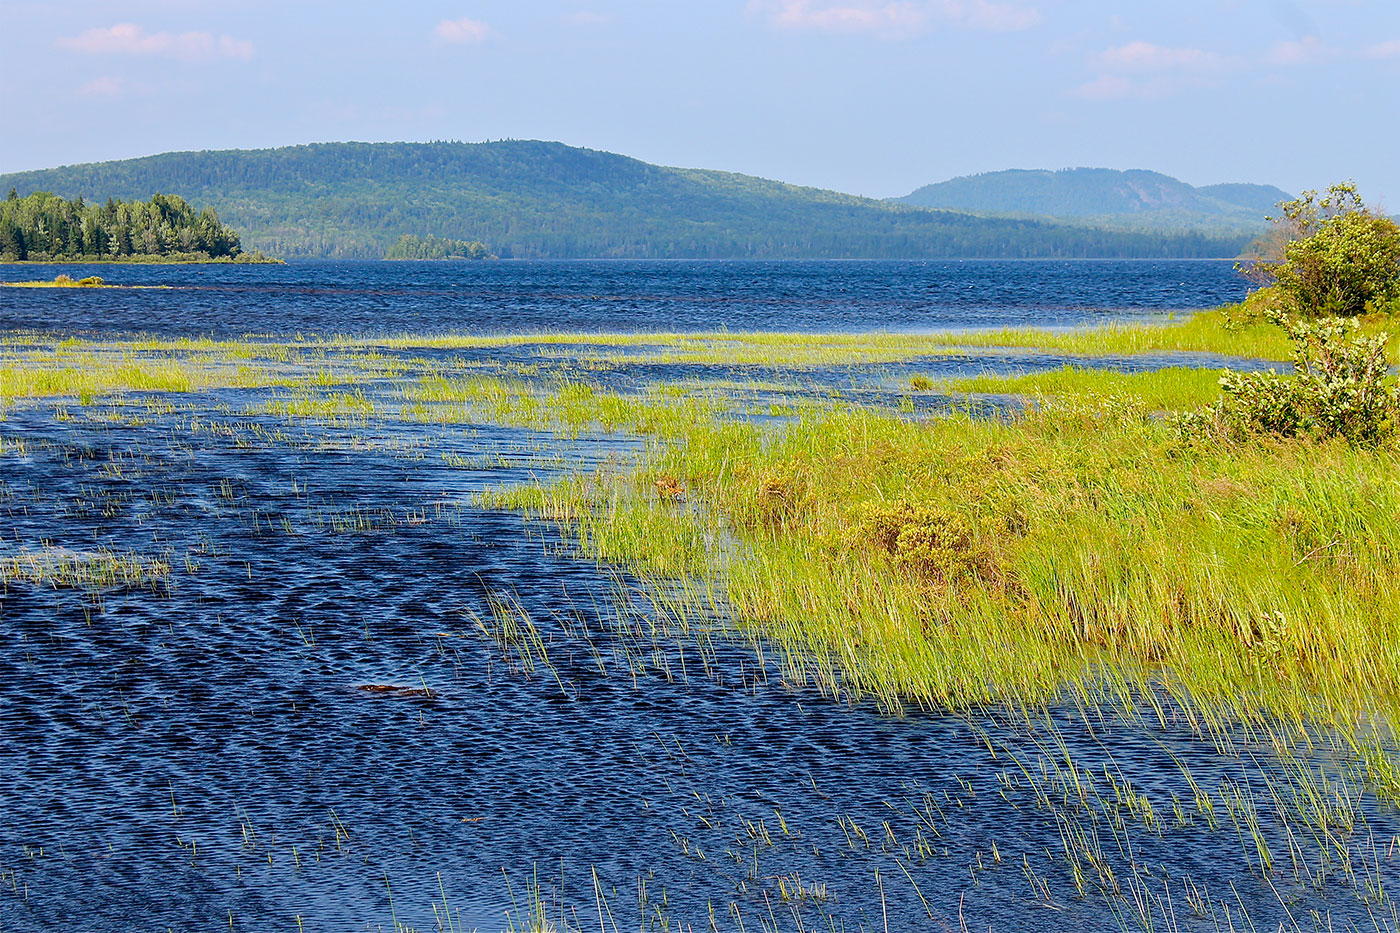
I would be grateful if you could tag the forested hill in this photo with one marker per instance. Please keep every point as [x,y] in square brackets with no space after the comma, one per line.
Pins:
[1122,199]
[539,199]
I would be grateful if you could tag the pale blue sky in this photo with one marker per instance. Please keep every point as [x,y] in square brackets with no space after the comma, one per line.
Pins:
[875,97]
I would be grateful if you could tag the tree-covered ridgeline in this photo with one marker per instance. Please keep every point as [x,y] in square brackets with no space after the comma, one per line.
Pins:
[432,247]
[44,227]
[531,199]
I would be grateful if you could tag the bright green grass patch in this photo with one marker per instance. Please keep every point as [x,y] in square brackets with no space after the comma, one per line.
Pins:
[331,405]
[87,376]
[1170,389]
[1029,557]
[1207,332]
[568,408]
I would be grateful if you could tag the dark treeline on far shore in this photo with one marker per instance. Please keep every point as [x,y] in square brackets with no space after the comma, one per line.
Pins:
[433,247]
[44,227]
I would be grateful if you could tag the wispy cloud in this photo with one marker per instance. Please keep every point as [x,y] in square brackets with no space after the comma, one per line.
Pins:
[1382,50]
[464,31]
[893,18]
[1144,71]
[1123,87]
[131,39]
[997,17]
[1303,51]
[890,18]
[1144,56]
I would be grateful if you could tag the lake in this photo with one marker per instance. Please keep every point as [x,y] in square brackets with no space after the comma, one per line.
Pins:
[310,682]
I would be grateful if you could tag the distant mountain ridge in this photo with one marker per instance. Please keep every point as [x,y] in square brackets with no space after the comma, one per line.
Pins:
[1137,199]
[541,199]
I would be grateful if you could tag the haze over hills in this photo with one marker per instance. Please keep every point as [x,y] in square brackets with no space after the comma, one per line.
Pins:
[1136,199]
[542,199]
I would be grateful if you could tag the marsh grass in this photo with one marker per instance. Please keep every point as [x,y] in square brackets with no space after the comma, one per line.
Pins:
[1065,543]
[101,569]
[1076,555]
[1229,332]
[1171,389]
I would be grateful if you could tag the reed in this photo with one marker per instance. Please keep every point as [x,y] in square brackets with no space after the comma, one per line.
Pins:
[963,561]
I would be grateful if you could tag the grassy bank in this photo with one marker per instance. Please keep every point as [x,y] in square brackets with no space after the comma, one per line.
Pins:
[964,561]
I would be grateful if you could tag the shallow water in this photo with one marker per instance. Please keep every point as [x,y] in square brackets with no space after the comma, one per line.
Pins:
[200,751]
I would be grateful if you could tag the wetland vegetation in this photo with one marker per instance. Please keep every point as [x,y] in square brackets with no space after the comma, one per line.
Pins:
[788,631]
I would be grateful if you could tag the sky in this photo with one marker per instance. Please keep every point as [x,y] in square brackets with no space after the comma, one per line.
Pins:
[873,97]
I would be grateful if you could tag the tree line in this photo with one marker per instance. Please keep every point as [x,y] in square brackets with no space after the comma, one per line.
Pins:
[432,247]
[45,227]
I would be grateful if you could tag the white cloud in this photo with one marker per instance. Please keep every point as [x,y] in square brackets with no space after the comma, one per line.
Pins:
[852,17]
[1122,87]
[463,31]
[893,18]
[1144,56]
[130,39]
[1381,50]
[1302,52]
[997,17]
[1143,71]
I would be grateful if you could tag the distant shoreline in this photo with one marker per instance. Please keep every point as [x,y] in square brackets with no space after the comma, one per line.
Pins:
[154,261]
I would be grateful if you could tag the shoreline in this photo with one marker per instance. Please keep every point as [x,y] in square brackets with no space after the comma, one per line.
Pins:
[221,261]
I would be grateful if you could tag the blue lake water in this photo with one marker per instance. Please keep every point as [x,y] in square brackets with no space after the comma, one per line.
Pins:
[493,297]
[315,722]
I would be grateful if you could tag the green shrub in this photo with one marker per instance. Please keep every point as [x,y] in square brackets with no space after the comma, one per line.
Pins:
[932,543]
[1332,257]
[1340,387]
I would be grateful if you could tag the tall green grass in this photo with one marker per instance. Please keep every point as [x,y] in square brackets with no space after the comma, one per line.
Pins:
[1258,580]
[1170,389]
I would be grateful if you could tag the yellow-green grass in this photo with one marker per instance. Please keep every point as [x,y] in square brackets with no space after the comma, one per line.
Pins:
[99,569]
[67,281]
[1253,581]
[1174,388]
[88,377]
[1226,331]
[567,408]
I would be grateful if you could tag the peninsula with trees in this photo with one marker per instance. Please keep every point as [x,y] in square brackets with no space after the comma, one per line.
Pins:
[44,227]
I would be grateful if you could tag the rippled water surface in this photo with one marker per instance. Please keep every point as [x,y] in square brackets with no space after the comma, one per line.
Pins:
[494,297]
[346,697]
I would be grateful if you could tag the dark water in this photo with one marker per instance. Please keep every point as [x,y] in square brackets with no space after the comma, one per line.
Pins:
[201,752]
[492,297]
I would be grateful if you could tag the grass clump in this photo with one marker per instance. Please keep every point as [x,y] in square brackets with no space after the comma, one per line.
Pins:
[930,543]
[60,568]
[64,281]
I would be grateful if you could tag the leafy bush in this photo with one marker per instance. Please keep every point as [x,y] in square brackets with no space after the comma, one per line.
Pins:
[933,543]
[1340,387]
[1333,257]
